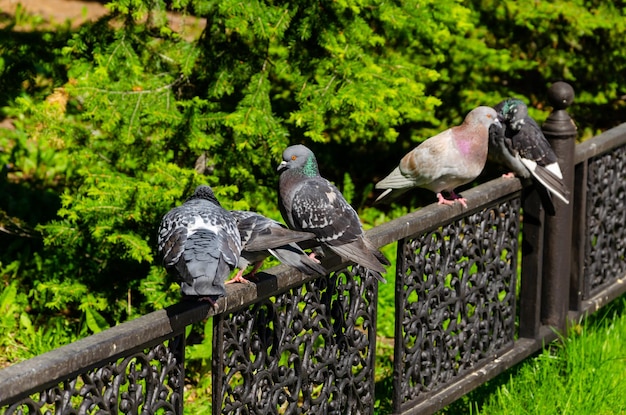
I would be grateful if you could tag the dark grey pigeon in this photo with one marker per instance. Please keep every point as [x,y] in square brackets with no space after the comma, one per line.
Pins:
[519,144]
[262,236]
[310,203]
[200,244]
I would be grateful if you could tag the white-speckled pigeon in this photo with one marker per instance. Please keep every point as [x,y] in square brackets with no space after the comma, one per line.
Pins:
[520,145]
[200,244]
[262,236]
[310,203]
[445,161]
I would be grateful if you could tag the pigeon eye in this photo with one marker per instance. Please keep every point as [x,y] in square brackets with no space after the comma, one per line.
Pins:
[293,157]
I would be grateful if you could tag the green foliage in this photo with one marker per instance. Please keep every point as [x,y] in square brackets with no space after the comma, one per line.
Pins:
[20,335]
[581,42]
[198,357]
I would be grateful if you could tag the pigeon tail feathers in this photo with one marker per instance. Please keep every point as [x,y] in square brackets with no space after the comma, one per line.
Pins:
[548,179]
[361,255]
[294,256]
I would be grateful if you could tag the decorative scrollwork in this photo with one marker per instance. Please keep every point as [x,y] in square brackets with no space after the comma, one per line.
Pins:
[606,221]
[147,382]
[309,350]
[457,288]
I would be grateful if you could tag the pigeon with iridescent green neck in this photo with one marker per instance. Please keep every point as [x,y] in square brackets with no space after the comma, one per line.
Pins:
[310,203]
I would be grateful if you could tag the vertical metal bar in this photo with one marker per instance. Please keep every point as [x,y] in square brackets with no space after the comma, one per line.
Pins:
[577,283]
[532,264]
[217,364]
[372,347]
[560,131]
[398,347]
[180,358]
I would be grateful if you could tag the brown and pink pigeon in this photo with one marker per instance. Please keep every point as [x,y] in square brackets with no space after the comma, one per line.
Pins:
[445,161]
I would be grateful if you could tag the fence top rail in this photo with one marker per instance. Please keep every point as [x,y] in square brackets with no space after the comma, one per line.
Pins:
[602,143]
[48,369]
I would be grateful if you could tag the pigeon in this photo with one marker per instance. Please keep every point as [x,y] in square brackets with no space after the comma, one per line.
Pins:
[200,244]
[445,161]
[262,236]
[519,144]
[310,203]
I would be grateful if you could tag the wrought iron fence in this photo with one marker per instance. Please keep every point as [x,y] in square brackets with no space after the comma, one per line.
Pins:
[292,344]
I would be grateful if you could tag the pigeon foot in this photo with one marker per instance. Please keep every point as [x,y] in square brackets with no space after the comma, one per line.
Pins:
[238,278]
[209,300]
[314,258]
[454,198]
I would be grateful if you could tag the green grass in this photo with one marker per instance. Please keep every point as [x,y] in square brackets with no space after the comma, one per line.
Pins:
[584,374]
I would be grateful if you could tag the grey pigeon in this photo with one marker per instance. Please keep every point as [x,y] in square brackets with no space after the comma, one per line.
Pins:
[200,244]
[262,236]
[310,203]
[445,161]
[520,145]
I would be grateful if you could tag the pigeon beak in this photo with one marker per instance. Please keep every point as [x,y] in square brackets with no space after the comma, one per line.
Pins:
[282,165]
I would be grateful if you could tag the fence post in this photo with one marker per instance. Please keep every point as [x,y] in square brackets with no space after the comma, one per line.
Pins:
[560,131]
[532,263]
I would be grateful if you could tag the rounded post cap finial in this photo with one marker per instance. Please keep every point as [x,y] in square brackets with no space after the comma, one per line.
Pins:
[561,95]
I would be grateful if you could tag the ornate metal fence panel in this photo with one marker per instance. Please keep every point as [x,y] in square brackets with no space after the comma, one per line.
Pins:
[605,248]
[309,350]
[147,382]
[455,300]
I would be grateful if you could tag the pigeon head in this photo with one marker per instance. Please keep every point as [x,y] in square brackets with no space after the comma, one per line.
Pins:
[485,116]
[514,111]
[299,158]
[204,192]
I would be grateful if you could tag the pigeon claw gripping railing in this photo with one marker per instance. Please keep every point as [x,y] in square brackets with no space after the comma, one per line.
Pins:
[466,308]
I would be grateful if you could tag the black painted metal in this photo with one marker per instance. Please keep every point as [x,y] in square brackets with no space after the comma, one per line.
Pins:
[560,131]
[604,155]
[291,343]
[455,299]
[532,264]
[605,246]
[52,368]
[307,350]
[147,382]
[579,238]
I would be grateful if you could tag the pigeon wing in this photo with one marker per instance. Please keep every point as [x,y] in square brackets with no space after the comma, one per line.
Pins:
[538,157]
[320,208]
[294,256]
[200,243]
[260,233]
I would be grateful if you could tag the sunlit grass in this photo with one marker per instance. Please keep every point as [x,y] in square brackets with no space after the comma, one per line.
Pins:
[584,374]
